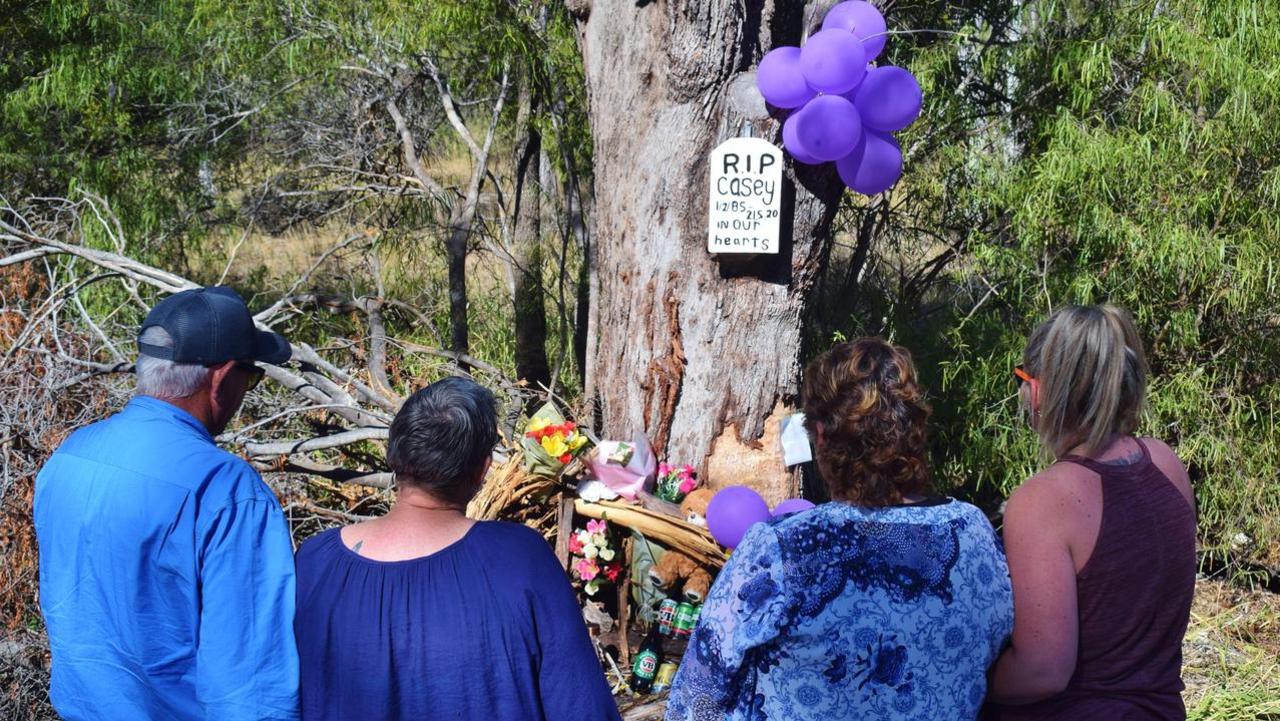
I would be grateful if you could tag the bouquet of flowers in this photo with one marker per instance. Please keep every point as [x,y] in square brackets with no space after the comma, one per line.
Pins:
[626,468]
[550,442]
[595,563]
[675,482]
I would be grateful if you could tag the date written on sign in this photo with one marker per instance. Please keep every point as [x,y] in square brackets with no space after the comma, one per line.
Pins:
[745,212]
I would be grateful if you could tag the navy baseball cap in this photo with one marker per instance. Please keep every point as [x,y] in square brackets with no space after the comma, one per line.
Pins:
[210,326]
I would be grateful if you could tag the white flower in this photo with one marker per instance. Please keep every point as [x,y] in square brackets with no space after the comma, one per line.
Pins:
[600,540]
[591,587]
[584,538]
[606,554]
[590,551]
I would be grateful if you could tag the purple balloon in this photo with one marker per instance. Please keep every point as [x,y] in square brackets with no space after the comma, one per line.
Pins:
[874,166]
[889,99]
[780,80]
[829,127]
[852,93]
[832,61]
[793,144]
[791,505]
[863,20]
[732,511]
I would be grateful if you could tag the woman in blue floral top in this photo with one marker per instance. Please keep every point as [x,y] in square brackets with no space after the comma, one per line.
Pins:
[887,603]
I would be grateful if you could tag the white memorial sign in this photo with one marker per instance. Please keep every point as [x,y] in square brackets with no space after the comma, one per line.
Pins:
[746,197]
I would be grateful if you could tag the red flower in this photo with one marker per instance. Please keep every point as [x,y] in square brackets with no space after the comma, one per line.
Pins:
[575,546]
[566,458]
[612,570]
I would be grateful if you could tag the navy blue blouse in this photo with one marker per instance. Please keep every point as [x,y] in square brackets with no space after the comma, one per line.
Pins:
[487,628]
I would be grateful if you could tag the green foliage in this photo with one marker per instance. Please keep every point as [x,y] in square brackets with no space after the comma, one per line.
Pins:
[1121,152]
[118,98]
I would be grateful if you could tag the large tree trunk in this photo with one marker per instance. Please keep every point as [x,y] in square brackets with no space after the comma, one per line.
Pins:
[530,305]
[700,352]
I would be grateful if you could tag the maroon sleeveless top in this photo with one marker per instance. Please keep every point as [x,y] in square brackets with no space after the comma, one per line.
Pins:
[1134,596]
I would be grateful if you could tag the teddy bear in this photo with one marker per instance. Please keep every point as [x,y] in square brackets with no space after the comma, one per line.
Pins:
[675,566]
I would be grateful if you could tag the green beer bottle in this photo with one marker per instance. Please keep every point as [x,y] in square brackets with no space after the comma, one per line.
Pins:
[645,667]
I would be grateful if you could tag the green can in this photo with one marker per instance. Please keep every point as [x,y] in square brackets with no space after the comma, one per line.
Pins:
[686,619]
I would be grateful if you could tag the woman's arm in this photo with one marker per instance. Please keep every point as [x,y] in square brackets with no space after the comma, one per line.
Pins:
[1042,657]
[571,683]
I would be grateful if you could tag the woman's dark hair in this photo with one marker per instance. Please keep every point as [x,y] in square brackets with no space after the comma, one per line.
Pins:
[867,413]
[441,437]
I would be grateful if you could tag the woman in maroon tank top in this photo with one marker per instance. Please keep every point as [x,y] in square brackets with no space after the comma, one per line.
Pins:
[1101,544]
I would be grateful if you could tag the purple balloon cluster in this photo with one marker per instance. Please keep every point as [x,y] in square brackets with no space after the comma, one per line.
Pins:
[843,109]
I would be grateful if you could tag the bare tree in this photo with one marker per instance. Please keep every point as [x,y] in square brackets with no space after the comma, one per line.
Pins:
[527,209]
[372,151]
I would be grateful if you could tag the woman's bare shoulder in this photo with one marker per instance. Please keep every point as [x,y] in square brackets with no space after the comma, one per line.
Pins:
[1057,482]
[1051,497]
[1167,460]
[355,535]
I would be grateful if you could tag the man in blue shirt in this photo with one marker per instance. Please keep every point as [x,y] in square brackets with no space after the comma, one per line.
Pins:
[166,568]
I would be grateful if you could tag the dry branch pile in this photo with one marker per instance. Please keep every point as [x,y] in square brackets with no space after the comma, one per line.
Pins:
[316,434]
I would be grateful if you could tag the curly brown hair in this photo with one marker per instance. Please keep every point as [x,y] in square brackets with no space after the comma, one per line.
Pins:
[868,414]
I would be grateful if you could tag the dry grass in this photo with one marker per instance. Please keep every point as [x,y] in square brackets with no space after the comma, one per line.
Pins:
[1231,656]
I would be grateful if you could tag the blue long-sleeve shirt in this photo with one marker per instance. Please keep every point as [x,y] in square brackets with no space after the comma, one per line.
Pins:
[166,575]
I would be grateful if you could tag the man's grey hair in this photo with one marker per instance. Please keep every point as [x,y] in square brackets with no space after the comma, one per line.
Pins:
[160,378]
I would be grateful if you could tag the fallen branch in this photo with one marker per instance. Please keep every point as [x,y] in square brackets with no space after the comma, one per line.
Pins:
[670,532]
[337,440]
[649,708]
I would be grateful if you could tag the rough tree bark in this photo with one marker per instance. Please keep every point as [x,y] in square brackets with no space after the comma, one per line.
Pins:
[700,352]
[530,306]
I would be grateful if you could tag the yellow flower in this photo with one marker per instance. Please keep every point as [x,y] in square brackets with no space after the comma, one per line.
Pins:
[538,424]
[554,445]
[577,441]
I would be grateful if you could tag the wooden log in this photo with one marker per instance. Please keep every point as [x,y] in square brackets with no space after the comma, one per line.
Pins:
[648,708]
[624,604]
[670,532]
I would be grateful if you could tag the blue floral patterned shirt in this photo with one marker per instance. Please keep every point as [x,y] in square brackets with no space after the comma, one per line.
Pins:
[842,612]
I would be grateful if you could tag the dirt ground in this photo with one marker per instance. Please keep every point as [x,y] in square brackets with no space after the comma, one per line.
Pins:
[1231,655]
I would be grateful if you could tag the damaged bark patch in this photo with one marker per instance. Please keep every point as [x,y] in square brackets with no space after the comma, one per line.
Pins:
[665,375]
[754,462]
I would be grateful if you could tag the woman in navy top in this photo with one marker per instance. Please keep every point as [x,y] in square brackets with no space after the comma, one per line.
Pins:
[424,614]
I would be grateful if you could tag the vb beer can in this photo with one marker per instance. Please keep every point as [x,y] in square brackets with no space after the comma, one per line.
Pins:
[667,616]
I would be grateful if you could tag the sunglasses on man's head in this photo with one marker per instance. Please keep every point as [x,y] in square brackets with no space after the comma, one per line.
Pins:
[1022,374]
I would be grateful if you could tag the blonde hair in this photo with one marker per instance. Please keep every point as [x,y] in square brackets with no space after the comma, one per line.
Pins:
[1092,374]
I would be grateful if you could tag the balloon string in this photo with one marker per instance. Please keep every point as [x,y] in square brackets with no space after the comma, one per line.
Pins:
[938,31]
